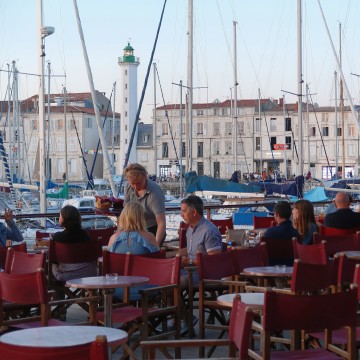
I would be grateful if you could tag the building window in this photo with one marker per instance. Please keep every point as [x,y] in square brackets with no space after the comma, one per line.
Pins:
[183,150]
[125,86]
[59,124]
[216,129]
[125,72]
[257,125]
[164,129]
[200,168]
[351,131]
[216,169]
[228,148]
[241,128]
[199,112]
[71,125]
[287,124]
[324,117]
[200,149]
[125,113]
[228,128]
[273,124]
[126,99]
[272,142]
[216,148]
[125,127]
[88,123]
[257,143]
[325,131]
[165,150]
[224,112]
[338,132]
[199,128]
[313,131]
[215,112]
[288,142]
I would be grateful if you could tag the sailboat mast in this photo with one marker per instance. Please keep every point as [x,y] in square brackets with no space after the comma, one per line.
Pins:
[155,124]
[107,165]
[113,134]
[336,125]
[260,136]
[190,83]
[342,109]
[9,122]
[300,81]
[65,139]
[48,125]
[41,64]
[235,99]
[308,125]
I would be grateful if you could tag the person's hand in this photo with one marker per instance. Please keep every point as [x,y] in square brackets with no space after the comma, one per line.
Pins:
[8,215]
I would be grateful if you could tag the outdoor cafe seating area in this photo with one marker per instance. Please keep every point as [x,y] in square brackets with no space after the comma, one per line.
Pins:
[251,301]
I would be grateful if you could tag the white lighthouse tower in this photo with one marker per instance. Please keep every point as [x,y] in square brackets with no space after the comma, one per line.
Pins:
[128,95]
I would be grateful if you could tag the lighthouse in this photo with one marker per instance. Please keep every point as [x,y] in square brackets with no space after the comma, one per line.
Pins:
[128,103]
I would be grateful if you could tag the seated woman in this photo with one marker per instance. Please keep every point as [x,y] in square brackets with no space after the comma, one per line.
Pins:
[304,221]
[132,236]
[70,220]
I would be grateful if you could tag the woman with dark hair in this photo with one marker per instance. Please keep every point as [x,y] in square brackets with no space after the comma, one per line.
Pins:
[70,220]
[304,221]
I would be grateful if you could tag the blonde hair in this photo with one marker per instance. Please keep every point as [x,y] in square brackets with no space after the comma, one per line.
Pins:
[133,171]
[305,216]
[132,217]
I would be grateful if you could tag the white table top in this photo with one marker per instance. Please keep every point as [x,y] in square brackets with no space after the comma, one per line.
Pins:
[62,336]
[254,300]
[271,271]
[102,282]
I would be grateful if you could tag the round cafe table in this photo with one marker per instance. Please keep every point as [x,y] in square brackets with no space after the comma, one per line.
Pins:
[254,300]
[108,285]
[263,273]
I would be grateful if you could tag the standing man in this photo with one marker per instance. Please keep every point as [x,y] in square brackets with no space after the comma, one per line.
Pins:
[343,217]
[151,197]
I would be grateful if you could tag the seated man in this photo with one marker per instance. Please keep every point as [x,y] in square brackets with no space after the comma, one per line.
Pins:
[284,229]
[11,231]
[202,235]
[343,217]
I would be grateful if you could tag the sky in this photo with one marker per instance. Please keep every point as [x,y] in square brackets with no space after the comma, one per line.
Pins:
[266,47]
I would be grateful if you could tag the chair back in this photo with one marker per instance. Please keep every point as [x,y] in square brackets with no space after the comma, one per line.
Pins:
[96,350]
[215,267]
[311,278]
[3,252]
[223,224]
[279,251]
[22,263]
[261,222]
[338,243]
[182,235]
[72,253]
[326,230]
[249,257]
[160,272]
[345,270]
[240,327]
[329,311]
[311,254]
[357,279]
[101,235]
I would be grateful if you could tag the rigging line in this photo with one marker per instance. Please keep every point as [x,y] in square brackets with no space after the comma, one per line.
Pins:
[226,38]
[166,114]
[90,182]
[98,144]
[271,149]
[143,93]
[246,163]
[321,136]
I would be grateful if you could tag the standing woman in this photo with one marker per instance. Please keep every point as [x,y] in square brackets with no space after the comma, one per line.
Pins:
[304,221]
[132,235]
[70,220]
[151,197]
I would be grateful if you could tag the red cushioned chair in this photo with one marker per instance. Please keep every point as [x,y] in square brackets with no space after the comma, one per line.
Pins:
[96,350]
[279,251]
[326,230]
[101,235]
[262,222]
[22,263]
[223,224]
[3,252]
[238,341]
[298,312]
[338,243]
[311,254]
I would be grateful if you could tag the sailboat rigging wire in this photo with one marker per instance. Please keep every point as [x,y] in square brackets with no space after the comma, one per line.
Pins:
[25,73]
[321,136]
[242,142]
[90,182]
[167,116]
[143,93]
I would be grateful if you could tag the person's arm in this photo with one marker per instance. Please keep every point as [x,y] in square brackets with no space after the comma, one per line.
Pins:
[161,228]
